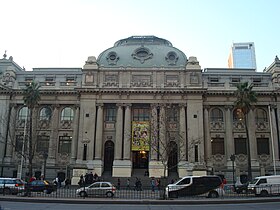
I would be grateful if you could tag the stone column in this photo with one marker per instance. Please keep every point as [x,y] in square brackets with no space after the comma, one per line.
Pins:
[119,133]
[127,132]
[121,166]
[54,135]
[274,145]
[182,165]
[75,138]
[154,133]
[229,141]
[162,130]
[11,133]
[99,132]
[182,131]
[252,134]
[208,146]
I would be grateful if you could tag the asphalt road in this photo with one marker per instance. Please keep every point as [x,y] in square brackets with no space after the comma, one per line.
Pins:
[61,206]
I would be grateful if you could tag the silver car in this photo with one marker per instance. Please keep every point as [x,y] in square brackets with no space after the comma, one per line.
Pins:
[98,189]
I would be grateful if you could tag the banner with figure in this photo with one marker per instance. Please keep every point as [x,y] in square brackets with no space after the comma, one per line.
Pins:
[140,136]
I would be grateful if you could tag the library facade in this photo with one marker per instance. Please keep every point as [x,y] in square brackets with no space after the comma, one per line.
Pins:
[140,105]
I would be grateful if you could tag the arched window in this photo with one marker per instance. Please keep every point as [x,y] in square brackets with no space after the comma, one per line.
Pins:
[67,114]
[23,113]
[45,113]
[216,115]
[261,116]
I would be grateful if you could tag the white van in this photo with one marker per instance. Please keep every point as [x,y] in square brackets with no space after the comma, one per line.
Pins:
[265,185]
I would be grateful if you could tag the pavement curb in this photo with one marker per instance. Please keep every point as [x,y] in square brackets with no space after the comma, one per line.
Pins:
[139,202]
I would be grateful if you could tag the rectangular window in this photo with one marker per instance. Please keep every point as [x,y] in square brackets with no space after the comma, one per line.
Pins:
[28,79]
[43,143]
[141,114]
[172,115]
[217,146]
[110,114]
[240,146]
[70,80]
[263,146]
[49,81]
[214,79]
[235,80]
[65,144]
[196,153]
[19,143]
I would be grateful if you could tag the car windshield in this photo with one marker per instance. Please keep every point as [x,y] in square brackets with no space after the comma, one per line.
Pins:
[254,181]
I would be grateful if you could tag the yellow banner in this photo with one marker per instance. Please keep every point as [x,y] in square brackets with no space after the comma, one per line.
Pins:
[140,136]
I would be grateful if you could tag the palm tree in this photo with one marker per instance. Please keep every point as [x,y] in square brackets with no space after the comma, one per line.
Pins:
[245,98]
[31,97]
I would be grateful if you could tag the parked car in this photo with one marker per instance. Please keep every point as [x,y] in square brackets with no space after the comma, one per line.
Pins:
[40,186]
[241,188]
[11,185]
[98,189]
[265,185]
[195,185]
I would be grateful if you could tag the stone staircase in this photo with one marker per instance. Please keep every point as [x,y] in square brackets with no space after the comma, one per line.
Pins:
[136,174]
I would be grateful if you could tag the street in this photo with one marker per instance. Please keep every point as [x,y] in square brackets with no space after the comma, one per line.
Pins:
[61,206]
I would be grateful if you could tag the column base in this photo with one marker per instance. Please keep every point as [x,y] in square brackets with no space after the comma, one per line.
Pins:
[122,168]
[156,169]
[185,169]
[95,166]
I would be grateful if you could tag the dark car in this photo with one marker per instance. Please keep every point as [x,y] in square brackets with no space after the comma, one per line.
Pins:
[242,188]
[195,185]
[40,186]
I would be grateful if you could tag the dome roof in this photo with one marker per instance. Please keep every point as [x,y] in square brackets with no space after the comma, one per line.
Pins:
[142,52]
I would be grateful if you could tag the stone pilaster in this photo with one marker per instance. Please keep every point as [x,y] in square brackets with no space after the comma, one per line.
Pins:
[127,132]
[75,138]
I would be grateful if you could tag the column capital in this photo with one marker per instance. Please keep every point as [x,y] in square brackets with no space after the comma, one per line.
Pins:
[55,106]
[229,107]
[100,104]
[128,105]
[207,107]
[154,105]
[120,105]
[272,106]
[182,105]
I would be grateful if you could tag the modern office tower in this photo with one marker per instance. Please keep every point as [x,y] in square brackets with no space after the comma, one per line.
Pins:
[242,55]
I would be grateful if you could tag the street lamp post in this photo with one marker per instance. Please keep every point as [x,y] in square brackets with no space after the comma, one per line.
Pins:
[232,158]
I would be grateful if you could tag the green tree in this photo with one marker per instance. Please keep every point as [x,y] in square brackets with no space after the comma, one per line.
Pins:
[243,104]
[31,97]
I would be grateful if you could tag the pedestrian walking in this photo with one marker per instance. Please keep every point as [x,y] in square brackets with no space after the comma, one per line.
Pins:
[81,181]
[153,184]
[119,184]
[128,184]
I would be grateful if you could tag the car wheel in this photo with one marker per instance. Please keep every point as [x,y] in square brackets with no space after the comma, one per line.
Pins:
[83,194]
[109,194]
[7,191]
[264,193]
[213,194]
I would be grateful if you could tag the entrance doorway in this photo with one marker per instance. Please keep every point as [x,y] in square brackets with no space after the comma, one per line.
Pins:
[140,159]
[173,157]
[108,155]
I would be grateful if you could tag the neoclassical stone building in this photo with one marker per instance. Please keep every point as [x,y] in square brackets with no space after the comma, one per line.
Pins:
[119,113]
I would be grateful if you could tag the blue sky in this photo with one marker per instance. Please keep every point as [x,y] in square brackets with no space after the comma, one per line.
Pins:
[63,33]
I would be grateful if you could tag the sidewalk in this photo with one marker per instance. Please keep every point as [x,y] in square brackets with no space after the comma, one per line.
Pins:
[136,201]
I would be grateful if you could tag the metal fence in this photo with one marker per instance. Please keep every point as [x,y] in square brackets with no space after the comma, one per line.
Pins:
[141,194]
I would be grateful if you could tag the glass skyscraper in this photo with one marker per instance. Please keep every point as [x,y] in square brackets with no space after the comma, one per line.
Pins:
[242,55]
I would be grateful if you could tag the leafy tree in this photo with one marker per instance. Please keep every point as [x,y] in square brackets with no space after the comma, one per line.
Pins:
[243,104]
[31,97]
